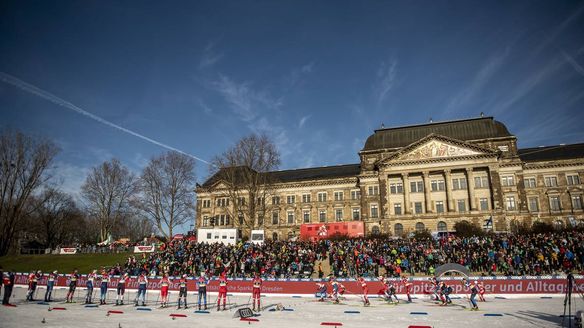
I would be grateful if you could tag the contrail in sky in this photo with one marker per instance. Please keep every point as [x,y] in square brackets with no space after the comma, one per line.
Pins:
[6,78]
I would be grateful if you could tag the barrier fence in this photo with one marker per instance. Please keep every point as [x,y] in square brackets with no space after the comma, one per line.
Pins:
[493,285]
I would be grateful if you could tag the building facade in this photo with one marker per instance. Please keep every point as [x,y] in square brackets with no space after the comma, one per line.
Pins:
[412,178]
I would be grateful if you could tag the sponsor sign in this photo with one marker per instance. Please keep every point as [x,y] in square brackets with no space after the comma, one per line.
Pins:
[144,249]
[316,231]
[499,285]
[67,250]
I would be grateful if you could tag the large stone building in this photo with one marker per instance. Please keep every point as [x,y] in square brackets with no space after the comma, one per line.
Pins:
[426,176]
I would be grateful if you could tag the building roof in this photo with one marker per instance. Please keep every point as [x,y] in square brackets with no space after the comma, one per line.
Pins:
[313,173]
[549,153]
[464,130]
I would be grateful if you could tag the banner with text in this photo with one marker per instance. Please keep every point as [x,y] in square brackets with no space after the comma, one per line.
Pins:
[512,285]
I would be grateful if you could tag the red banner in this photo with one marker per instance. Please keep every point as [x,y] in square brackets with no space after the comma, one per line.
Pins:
[515,285]
[316,231]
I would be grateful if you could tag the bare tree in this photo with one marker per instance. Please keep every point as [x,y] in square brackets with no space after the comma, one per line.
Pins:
[23,162]
[108,190]
[167,191]
[55,218]
[244,170]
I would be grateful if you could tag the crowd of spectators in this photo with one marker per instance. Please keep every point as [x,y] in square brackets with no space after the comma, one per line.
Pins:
[535,254]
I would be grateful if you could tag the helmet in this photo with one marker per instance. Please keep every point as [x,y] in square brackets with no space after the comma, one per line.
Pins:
[55,272]
[39,271]
[476,281]
[202,274]
[184,275]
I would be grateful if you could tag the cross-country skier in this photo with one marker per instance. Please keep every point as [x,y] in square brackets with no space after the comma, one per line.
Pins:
[50,285]
[391,292]
[8,282]
[91,277]
[222,291]
[202,283]
[164,283]
[408,285]
[321,291]
[434,287]
[73,277]
[122,288]
[142,284]
[363,284]
[257,291]
[445,291]
[342,290]
[481,288]
[335,288]
[473,293]
[182,291]
[105,278]
[32,284]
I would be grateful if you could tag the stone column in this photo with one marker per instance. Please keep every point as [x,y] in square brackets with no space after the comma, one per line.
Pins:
[448,186]
[426,177]
[470,188]
[406,183]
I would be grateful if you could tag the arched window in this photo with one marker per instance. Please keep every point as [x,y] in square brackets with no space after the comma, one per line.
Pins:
[442,226]
[398,229]
[375,230]
[420,227]
[558,225]
[275,236]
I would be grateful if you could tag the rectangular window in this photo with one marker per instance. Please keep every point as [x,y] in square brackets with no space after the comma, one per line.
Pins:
[508,181]
[339,214]
[481,182]
[306,198]
[577,202]
[373,190]
[551,181]
[275,200]
[374,211]
[339,196]
[275,218]
[206,203]
[240,217]
[397,210]
[240,201]
[533,204]
[439,206]
[222,202]
[322,196]
[573,179]
[510,203]
[396,188]
[529,182]
[322,215]
[356,214]
[306,216]
[260,201]
[484,204]
[355,194]
[555,203]
[461,205]
[290,199]
[205,221]
[458,183]
[417,186]
[418,207]
[290,217]
[437,185]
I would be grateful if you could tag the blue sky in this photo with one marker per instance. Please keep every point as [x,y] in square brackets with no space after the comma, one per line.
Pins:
[318,76]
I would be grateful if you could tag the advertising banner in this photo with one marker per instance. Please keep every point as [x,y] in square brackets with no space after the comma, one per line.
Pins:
[144,249]
[511,285]
[316,231]
[67,250]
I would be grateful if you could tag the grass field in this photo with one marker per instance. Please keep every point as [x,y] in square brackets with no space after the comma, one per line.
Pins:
[63,263]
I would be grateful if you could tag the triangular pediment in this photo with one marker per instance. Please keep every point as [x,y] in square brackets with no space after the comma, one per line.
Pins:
[437,147]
